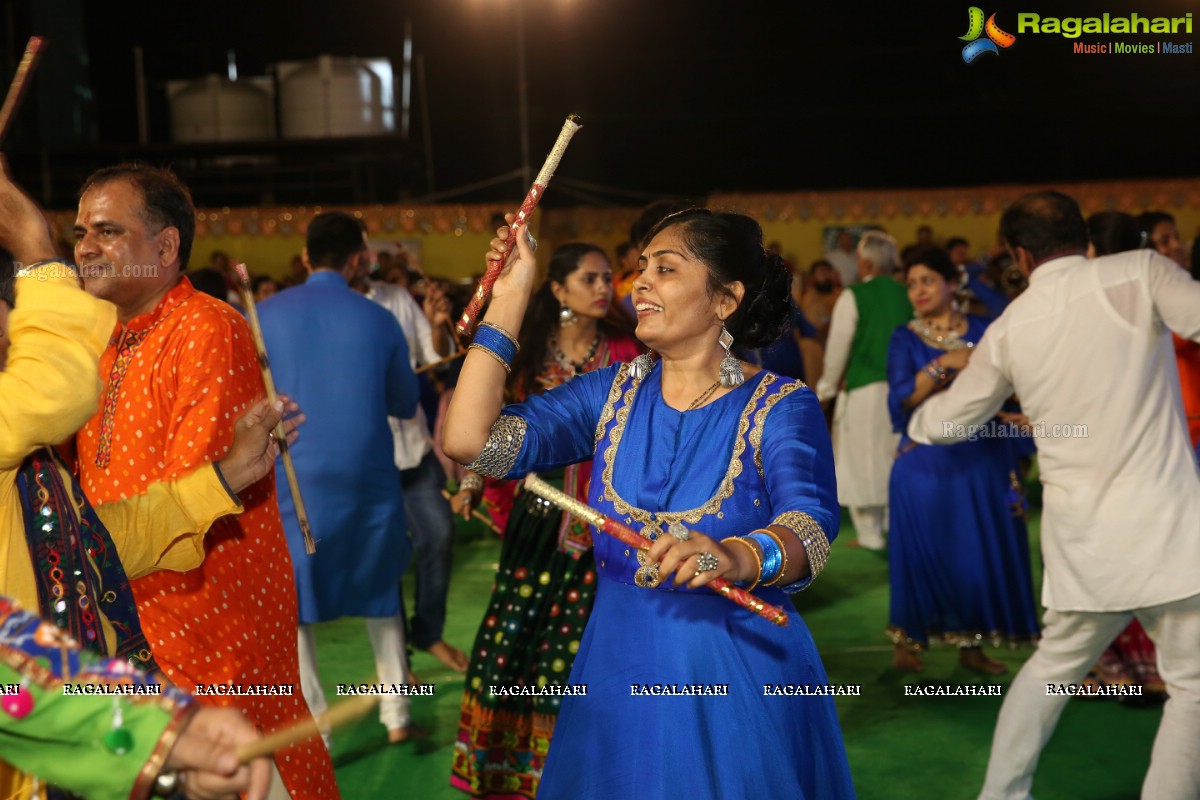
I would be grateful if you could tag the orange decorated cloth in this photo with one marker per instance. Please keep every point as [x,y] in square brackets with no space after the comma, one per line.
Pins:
[175,381]
[1187,358]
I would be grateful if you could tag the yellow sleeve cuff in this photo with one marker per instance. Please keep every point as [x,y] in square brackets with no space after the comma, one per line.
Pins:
[164,528]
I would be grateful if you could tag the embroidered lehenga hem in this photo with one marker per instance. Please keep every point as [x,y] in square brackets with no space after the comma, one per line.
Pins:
[542,597]
[525,737]
[961,639]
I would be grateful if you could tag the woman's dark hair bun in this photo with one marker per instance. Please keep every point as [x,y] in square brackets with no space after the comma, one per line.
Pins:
[731,245]
[764,314]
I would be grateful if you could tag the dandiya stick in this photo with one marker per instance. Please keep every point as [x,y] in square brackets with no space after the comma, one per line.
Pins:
[260,344]
[337,716]
[416,265]
[466,325]
[443,362]
[20,82]
[479,515]
[626,535]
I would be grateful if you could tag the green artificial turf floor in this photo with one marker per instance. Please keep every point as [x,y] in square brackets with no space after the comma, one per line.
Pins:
[899,747]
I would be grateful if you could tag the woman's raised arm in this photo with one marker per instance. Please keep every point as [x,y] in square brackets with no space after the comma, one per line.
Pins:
[479,395]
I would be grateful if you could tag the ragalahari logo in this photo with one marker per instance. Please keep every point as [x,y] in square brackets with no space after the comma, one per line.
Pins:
[976,27]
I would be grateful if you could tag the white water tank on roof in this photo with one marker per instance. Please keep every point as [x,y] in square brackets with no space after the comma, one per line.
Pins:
[335,97]
[215,109]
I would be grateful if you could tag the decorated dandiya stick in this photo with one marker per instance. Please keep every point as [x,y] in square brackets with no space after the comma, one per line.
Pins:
[628,536]
[340,714]
[466,324]
[20,82]
[479,515]
[280,435]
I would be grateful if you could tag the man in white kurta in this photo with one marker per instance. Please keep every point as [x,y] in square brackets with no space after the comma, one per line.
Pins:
[864,444]
[1087,349]
[844,258]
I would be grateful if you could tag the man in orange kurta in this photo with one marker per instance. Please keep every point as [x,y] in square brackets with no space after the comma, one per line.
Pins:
[1187,359]
[179,369]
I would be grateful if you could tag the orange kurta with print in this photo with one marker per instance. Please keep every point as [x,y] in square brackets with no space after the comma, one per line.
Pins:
[1187,357]
[175,381]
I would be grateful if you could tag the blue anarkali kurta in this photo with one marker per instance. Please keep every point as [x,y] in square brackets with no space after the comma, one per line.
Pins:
[344,359]
[758,456]
[958,546]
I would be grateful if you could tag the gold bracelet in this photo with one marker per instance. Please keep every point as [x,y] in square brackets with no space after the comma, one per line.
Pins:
[757,558]
[493,354]
[782,548]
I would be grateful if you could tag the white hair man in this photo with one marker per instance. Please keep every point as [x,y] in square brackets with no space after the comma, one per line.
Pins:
[864,443]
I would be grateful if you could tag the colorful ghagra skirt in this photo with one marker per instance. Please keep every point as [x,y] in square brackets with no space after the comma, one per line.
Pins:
[527,641]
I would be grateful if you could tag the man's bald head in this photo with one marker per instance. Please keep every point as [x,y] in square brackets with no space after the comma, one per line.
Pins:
[1045,224]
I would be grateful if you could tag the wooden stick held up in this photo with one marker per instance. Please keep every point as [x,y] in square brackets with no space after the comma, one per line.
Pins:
[470,317]
[20,82]
[443,362]
[450,327]
[310,545]
[339,715]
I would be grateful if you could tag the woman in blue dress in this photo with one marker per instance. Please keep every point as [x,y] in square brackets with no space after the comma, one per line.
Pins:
[959,549]
[729,469]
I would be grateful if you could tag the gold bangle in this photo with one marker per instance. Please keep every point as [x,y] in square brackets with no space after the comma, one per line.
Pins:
[783,549]
[757,558]
[493,354]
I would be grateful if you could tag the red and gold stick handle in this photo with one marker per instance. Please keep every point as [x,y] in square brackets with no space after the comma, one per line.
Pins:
[466,324]
[627,536]
[260,344]
[20,83]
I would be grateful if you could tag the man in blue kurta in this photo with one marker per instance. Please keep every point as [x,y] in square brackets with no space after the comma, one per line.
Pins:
[345,360]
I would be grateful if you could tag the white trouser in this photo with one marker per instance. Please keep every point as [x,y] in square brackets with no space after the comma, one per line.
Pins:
[278,791]
[1070,644]
[864,445]
[387,642]
[870,523]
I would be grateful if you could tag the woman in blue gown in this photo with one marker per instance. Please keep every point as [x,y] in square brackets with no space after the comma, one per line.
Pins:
[959,549]
[688,695]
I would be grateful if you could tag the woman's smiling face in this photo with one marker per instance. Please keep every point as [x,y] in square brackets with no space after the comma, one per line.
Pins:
[671,293]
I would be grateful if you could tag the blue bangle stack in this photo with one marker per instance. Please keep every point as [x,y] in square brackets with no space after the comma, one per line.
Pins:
[496,342]
[772,558]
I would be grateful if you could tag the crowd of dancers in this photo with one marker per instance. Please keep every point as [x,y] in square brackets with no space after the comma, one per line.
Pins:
[668,394]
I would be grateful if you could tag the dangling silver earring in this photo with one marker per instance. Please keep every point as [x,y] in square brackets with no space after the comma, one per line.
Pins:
[566,316]
[731,368]
[640,367]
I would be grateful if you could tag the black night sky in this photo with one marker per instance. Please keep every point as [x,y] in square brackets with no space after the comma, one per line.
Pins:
[685,98]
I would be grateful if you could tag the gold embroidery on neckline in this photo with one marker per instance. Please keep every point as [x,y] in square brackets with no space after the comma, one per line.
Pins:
[614,394]
[756,433]
[724,490]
